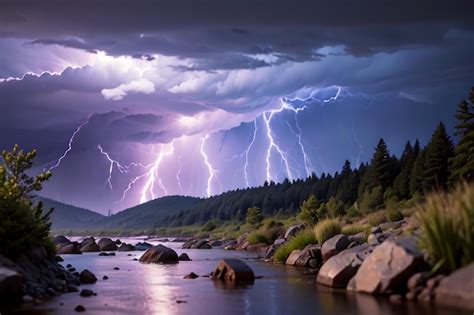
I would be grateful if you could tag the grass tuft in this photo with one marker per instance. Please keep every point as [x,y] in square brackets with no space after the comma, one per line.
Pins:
[299,241]
[327,228]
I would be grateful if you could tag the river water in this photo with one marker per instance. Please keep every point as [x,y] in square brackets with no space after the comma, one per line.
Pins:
[160,289]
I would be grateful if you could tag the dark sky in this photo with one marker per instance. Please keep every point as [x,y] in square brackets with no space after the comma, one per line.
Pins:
[131,100]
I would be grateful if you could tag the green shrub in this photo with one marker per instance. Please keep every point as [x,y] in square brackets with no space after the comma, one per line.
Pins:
[210,225]
[22,223]
[394,215]
[355,228]
[447,225]
[273,233]
[377,218]
[257,237]
[326,229]
[299,241]
[254,217]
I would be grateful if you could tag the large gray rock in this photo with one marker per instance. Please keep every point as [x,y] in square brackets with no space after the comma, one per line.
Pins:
[339,269]
[201,244]
[457,289]
[67,249]
[273,248]
[304,257]
[292,230]
[107,245]
[126,248]
[388,267]
[143,246]
[90,247]
[87,277]
[233,270]
[334,245]
[10,285]
[60,239]
[159,254]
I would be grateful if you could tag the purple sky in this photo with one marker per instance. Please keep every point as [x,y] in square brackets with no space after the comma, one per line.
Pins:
[199,97]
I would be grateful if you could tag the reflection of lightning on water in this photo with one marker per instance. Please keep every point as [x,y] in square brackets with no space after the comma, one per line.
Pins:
[211,170]
[69,148]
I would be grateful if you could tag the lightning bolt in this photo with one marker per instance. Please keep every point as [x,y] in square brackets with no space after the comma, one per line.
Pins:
[246,165]
[178,180]
[211,170]
[267,118]
[69,148]
[153,174]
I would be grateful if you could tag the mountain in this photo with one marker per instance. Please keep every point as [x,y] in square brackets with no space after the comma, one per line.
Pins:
[67,216]
[149,214]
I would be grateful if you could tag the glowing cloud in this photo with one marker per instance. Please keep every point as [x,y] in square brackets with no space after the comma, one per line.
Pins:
[137,86]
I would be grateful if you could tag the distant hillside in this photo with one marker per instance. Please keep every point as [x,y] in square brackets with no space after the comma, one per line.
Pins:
[149,214]
[66,216]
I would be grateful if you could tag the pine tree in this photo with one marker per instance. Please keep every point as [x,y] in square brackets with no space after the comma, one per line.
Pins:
[381,168]
[438,152]
[416,178]
[462,164]
[401,184]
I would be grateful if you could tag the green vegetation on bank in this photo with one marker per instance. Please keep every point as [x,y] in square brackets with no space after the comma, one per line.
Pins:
[23,223]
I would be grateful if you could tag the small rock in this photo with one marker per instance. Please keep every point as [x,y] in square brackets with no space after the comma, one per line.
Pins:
[68,266]
[418,279]
[80,308]
[27,299]
[87,277]
[126,248]
[191,275]
[292,230]
[87,293]
[233,270]
[181,301]
[160,254]
[432,283]
[376,230]
[72,288]
[116,268]
[184,257]
[333,246]
[105,278]
[58,259]
[72,269]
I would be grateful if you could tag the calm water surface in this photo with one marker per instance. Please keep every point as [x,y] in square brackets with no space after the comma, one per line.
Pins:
[160,289]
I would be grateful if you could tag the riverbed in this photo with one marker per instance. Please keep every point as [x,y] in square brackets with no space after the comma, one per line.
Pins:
[138,288]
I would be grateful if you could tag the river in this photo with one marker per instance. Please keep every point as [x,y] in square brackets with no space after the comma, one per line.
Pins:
[160,289]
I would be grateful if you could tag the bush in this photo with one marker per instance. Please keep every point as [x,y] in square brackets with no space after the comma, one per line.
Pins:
[394,215]
[377,218]
[309,211]
[209,226]
[326,229]
[354,229]
[254,216]
[22,223]
[257,237]
[372,200]
[447,225]
[299,241]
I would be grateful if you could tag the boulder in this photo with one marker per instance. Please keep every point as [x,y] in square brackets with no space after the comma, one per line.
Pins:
[271,251]
[184,257]
[188,244]
[418,279]
[118,242]
[126,248]
[106,244]
[457,289]
[87,277]
[90,247]
[215,243]
[358,238]
[143,246]
[86,241]
[388,267]
[67,249]
[302,258]
[339,269]
[242,242]
[376,239]
[191,275]
[200,244]
[159,254]
[10,285]
[292,230]
[233,270]
[60,239]
[334,245]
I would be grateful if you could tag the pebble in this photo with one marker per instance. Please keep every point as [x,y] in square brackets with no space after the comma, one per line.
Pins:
[80,308]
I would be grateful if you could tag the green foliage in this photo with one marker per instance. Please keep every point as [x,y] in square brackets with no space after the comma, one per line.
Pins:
[326,229]
[210,225]
[462,164]
[355,228]
[254,216]
[335,208]
[299,241]
[23,223]
[394,215]
[438,153]
[309,211]
[376,218]
[257,237]
[447,225]
[372,200]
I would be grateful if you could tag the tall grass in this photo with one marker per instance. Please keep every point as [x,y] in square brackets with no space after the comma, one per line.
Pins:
[355,229]
[326,229]
[299,241]
[447,225]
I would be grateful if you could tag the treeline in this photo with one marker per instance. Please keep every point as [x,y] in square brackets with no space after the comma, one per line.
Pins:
[385,181]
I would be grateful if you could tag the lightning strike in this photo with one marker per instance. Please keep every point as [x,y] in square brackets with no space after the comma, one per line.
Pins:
[71,140]
[178,179]
[153,174]
[211,170]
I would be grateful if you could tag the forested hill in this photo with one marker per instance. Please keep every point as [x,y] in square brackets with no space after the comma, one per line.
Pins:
[66,216]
